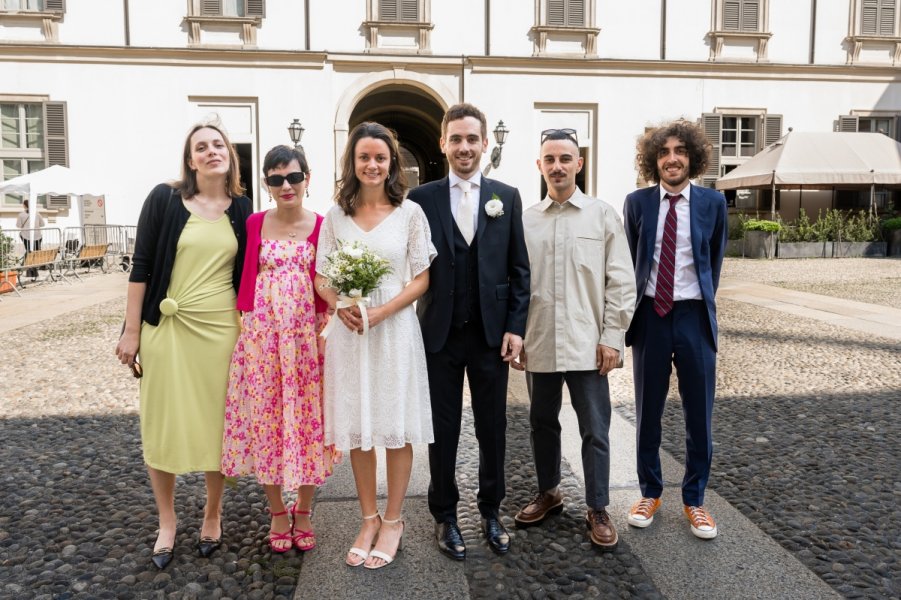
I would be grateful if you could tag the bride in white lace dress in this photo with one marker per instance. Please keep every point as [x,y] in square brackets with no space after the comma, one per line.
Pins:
[376,386]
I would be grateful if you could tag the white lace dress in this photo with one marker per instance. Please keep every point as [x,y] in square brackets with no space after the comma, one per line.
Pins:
[376,386]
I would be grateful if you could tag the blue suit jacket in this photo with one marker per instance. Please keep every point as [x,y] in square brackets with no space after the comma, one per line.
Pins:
[503,267]
[709,232]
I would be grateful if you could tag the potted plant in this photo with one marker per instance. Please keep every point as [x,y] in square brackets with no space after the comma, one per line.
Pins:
[892,229]
[803,239]
[858,237]
[760,238]
[8,260]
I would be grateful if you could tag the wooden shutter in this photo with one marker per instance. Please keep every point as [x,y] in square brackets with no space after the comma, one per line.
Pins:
[56,144]
[750,11]
[55,6]
[556,13]
[877,17]
[887,18]
[255,8]
[409,10]
[848,123]
[772,129]
[731,15]
[211,7]
[712,124]
[576,13]
[388,10]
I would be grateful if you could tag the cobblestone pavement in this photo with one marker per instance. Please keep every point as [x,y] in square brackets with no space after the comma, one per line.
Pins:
[807,446]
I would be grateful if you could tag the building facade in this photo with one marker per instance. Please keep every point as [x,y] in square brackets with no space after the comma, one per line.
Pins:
[110,87]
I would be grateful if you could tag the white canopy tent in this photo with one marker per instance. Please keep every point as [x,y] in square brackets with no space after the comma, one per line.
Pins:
[52,180]
[820,161]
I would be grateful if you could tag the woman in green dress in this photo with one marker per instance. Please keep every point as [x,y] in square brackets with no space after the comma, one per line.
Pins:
[180,314]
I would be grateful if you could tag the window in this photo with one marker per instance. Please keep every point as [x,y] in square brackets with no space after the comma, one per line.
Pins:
[398,26]
[566,13]
[232,8]
[399,10]
[887,123]
[877,17]
[734,23]
[564,28]
[32,136]
[42,16]
[224,22]
[739,136]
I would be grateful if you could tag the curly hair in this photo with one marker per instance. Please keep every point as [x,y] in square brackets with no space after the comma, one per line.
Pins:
[686,132]
[187,185]
[349,185]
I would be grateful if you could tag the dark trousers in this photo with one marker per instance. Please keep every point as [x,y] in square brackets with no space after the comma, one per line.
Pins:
[467,351]
[590,395]
[681,338]
[27,242]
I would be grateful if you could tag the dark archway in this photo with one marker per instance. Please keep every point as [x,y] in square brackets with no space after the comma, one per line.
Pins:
[416,118]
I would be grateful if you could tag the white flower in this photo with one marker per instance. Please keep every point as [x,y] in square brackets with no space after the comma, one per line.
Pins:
[353,251]
[494,208]
[355,293]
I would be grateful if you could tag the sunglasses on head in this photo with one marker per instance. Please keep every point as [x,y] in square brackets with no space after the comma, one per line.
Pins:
[136,369]
[570,133]
[279,180]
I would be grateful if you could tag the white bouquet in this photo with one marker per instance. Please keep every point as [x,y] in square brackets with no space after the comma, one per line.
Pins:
[354,271]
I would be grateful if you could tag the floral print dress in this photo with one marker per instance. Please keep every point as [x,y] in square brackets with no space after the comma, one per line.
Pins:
[273,412]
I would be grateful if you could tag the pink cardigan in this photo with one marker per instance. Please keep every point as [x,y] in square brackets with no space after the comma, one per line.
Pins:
[252,258]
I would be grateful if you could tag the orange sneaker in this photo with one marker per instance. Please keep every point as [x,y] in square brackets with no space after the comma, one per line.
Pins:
[702,524]
[642,512]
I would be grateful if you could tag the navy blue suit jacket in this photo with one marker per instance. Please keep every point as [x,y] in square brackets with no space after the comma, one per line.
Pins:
[503,264]
[709,232]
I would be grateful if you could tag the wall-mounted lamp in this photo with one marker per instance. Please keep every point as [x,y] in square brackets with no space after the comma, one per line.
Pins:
[500,136]
[295,130]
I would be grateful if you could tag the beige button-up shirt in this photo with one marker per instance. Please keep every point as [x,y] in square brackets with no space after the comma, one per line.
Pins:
[583,285]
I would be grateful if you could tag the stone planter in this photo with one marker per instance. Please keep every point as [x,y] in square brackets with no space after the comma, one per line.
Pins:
[804,250]
[894,242]
[857,249]
[735,248]
[760,244]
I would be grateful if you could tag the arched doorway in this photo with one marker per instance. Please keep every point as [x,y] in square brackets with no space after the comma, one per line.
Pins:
[416,118]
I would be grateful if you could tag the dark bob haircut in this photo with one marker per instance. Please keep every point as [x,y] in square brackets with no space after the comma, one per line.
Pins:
[281,156]
[349,185]
[688,133]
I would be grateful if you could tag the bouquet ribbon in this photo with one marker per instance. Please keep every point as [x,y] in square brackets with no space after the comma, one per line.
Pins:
[347,302]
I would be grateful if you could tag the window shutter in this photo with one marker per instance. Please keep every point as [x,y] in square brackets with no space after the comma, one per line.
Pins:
[256,8]
[210,7]
[388,10]
[712,124]
[56,145]
[556,10]
[409,10]
[750,9]
[869,17]
[576,16]
[56,6]
[887,18]
[731,15]
[848,123]
[772,129]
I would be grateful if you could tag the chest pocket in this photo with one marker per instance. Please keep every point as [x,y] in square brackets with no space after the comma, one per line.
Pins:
[588,254]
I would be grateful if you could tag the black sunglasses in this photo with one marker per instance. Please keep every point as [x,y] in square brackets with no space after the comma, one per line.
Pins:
[570,133]
[279,180]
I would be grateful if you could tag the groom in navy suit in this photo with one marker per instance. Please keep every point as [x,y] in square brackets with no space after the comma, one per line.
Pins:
[677,233]
[473,317]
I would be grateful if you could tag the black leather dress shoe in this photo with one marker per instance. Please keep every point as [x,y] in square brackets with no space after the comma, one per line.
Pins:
[207,545]
[450,540]
[162,557]
[497,536]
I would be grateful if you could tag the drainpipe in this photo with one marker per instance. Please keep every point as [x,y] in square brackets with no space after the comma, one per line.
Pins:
[127,27]
[662,29]
[487,27]
[813,29]
[306,24]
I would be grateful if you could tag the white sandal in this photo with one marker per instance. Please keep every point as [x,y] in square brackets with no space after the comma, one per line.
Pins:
[363,554]
[379,554]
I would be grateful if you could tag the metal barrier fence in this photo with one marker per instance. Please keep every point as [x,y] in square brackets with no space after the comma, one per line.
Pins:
[25,253]
[83,243]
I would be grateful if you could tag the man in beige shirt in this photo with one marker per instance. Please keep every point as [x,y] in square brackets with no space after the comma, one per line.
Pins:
[582,300]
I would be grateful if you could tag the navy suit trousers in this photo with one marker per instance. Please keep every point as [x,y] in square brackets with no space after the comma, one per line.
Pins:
[681,338]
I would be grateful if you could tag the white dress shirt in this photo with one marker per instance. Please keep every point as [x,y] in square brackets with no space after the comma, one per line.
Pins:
[685,276]
[582,283]
[456,194]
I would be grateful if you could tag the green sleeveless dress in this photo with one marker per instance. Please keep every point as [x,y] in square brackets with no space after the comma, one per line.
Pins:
[186,357]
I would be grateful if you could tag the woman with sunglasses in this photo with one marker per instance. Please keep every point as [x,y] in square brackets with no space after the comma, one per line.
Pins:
[180,313]
[273,414]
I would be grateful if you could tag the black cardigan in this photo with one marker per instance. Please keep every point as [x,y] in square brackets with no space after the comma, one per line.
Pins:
[162,220]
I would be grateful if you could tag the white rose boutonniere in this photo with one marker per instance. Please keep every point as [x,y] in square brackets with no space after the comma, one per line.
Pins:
[494,208]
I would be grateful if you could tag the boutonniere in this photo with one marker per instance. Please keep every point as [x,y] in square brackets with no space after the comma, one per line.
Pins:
[494,208]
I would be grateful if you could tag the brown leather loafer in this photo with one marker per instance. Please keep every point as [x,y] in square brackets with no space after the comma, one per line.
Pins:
[601,530]
[540,508]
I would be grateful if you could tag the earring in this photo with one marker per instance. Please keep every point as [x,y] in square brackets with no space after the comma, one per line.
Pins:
[270,197]
[308,192]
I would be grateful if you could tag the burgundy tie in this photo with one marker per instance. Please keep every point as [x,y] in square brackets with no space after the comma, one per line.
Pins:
[663,296]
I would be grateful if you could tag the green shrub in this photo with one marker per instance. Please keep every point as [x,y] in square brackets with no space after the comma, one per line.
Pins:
[892,224]
[861,228]
[801,230]
[762,225]
[8,258]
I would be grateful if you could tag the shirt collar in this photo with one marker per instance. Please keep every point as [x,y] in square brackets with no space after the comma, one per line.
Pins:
[475,180]
[577,200]
[686,192]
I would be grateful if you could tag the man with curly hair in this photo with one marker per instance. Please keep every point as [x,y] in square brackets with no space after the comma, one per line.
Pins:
[677,233]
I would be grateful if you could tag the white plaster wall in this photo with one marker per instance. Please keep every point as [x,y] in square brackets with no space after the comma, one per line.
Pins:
[687,24]
[335,25]
[460,27]
[155,24]
[94,23]
[790,26]
[283,27]
[511,21]
[629,30]
[832,27]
